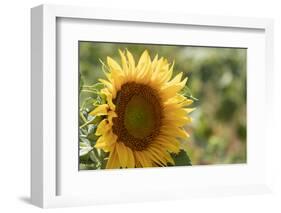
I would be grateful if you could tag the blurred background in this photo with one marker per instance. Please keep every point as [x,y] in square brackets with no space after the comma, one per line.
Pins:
[216,77]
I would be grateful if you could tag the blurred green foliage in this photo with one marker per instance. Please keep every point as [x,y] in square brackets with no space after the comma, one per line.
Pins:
[216,77]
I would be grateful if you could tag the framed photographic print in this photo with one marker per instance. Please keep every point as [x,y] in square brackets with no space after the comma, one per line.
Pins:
[150,106]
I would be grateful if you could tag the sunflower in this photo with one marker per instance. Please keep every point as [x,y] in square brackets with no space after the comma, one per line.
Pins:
[144,113]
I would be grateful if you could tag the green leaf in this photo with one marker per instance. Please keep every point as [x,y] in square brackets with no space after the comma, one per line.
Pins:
[87,166]
[95,88]
[91,120]
[93,157]
[84,147]
[83,133]
[186,91]
[98,157]
[181,159]
[87,105]
[91,133]
[101,99]
[92,128]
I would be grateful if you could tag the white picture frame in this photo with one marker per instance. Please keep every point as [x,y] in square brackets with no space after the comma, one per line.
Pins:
[47,170]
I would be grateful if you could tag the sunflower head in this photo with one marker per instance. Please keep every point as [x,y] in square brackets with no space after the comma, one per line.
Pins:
[144,114]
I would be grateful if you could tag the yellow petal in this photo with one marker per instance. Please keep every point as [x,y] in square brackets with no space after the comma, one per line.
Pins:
[177,99]
[174,131]
[174,105]
[101,143]
[109,101]
[157,65]
[113,161]
[113,65]
[162,73]
[139,161]
[122,154]
[171,90]
[187,102]
[111,115]
[110,86]
[106,83]
[176,79]
[131,158]
[189,110]
[170,143]
[143,161]
[146,78]
[131,71]
[106,140]
[100,110]
[130,60]
[179,112]
[145,72]
[142,61]
[166,76]
[177,122]
[124,63]
[103,127]
[169,158]
[164,154]
[155,158]
[118,78]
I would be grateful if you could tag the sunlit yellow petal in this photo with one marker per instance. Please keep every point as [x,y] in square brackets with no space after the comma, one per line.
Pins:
[108,139]
[100,110]
[177,122]
[143,60]
[174,131]
[176,79]
[189,110]
[110,86]
[170,142]
[113,65]
[124,63]
[103,127]
[109,100]
[171,90]
[131,62]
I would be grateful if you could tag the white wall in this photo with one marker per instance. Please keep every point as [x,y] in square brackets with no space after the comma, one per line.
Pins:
[15,98]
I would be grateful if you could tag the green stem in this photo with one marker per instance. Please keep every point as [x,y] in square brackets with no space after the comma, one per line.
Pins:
[85,124]
[89,86]
[90,91]
[83,117]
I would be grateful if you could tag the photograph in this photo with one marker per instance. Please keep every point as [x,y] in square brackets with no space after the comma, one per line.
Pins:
[160,105]
[141,104]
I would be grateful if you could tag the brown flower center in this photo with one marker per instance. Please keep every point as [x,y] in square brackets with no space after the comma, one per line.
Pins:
[139,112]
